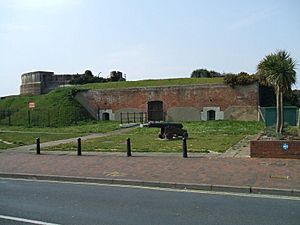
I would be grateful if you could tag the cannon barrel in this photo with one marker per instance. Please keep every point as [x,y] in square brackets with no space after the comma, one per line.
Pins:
[165,124]
[168,130]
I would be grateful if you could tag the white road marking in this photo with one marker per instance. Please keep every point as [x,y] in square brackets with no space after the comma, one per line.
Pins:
[249,195]
[26,220]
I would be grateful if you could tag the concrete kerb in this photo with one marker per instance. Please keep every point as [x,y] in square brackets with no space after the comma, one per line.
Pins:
[234,189]
[169,185]
[275,191]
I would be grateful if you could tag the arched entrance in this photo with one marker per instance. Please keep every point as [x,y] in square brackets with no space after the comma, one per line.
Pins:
[211,115]
[155,111]
[105,116]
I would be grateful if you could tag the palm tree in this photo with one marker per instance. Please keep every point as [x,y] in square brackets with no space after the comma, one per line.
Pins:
[278,70]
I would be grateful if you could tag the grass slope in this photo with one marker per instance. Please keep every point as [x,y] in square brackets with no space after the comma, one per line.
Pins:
[57,108]
[151,83]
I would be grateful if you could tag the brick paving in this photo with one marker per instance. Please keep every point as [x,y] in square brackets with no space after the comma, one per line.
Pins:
[254,172]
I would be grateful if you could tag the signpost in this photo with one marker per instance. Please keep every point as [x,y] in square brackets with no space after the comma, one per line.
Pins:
[31,106]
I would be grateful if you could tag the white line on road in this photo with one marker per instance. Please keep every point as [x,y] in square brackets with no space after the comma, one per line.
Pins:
[26,220]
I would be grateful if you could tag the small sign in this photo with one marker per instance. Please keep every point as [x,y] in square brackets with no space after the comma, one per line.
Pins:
[285,147]
[31,105]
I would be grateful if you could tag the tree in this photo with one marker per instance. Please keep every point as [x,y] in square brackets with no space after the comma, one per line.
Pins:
[204,73]
[278,70]
[116,76]
[86,78]
[242,78]
[88,73]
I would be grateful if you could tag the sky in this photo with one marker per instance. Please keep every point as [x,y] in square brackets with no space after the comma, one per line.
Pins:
[145,39]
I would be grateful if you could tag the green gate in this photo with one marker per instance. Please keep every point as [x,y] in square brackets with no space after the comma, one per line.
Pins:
[268,115]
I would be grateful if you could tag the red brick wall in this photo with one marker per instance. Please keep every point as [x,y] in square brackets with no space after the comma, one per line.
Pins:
[197,96]
[273,149]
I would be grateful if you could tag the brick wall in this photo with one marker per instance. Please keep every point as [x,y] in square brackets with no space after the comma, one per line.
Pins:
[274,149]
[174,98]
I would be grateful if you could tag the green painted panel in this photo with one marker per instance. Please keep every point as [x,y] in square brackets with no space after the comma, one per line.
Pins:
[290,115]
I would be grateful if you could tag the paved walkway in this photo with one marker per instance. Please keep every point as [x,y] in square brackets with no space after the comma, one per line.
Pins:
[234,168]
[270,173]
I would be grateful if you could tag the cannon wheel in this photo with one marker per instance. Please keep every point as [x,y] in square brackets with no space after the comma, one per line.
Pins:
[161,136]
[169,136]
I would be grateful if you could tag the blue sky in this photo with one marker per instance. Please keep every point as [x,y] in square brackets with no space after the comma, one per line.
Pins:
[144,39]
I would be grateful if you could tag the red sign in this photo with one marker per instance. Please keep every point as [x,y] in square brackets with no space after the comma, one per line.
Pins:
[31,105]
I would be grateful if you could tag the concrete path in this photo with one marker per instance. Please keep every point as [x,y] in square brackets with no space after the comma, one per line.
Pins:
[241,149]
[70,140]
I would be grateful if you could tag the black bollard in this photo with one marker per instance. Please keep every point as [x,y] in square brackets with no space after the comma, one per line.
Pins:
[38,146]
[184,148]
[128,147]
[79,146]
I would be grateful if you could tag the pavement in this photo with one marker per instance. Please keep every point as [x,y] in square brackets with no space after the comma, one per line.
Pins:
[233,171]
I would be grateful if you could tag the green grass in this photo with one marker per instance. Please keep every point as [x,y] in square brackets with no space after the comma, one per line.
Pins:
[215,136]
[82,128]
[19,136]
[151,83]
[5,146]
[57,108]
[19,139]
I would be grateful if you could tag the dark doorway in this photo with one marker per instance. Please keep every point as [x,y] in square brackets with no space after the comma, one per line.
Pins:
[211,115]
[105,116]
[155,111]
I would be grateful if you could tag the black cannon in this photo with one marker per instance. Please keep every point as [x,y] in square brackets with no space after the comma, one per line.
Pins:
[169,130]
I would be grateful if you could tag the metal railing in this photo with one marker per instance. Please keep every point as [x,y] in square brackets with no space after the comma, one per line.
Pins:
[43,117]
[133,117]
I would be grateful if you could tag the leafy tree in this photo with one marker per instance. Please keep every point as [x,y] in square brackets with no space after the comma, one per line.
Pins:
[88,73]
[292,98]
[242,78]
[116,76]
[278,70]
[87,77]
[204,73]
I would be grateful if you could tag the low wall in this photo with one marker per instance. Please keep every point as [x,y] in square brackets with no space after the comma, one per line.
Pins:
[275,149]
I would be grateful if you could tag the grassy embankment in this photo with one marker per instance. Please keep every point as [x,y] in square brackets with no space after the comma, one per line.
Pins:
[56,116]
[55,109]
[57,112]
[153,83]
[208,136]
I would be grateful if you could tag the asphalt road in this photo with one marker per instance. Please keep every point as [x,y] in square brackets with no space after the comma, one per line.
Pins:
[67,203]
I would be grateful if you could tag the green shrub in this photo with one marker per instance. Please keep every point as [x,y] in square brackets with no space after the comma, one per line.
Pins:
[240,79]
